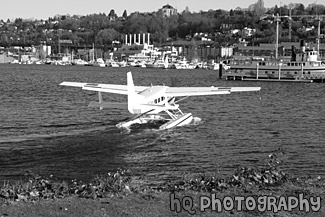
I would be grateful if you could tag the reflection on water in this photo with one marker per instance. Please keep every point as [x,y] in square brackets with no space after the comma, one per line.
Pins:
[49,129]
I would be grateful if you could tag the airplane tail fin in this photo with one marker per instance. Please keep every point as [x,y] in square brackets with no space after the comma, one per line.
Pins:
[132,95]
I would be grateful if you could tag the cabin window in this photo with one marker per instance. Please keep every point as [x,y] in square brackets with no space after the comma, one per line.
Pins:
[158,100]
[272,72]
[288,64]
[162,98]
[295,73]
[265,72]
[304,64]
[308,73]
[296,64]
[155,101]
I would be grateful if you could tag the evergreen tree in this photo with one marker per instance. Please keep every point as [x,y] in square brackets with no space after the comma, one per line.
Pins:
[125,15]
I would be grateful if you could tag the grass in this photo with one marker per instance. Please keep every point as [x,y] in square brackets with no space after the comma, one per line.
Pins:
[121,194]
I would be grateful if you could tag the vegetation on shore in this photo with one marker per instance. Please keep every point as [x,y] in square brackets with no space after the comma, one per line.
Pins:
[246,181]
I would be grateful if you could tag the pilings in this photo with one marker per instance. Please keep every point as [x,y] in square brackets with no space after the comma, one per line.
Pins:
[136,39]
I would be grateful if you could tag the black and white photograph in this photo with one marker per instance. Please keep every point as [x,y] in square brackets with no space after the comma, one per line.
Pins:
[162,108]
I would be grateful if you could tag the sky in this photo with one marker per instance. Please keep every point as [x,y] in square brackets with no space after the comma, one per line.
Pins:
[43,9]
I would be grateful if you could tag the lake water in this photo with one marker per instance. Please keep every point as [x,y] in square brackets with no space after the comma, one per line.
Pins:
[48,129]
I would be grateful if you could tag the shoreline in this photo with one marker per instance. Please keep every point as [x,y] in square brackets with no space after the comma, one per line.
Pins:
[121,194]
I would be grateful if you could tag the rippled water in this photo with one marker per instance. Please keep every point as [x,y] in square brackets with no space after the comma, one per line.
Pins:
[49,129]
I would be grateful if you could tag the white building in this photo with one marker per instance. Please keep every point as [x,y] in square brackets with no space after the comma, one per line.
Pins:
[168,10]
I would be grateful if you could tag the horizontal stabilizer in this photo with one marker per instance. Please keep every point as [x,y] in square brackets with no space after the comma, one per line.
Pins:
[73,84]
[108,105]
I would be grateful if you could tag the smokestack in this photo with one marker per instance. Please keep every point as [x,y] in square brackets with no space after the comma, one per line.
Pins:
[302,45]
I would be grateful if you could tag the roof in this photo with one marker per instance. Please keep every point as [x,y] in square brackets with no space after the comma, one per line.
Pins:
[168,6]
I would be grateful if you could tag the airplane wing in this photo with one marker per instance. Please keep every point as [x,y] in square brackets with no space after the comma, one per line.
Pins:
[200,91]
[108,88]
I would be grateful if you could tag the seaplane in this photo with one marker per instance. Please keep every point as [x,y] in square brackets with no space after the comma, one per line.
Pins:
[152,103]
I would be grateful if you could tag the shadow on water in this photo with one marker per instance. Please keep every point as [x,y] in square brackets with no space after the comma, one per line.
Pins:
[81,154]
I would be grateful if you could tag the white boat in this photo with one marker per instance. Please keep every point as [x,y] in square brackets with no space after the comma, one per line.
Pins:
[213,66]
[112,63]
[183,64]
[159,63]
[99,63]
[302,67]
[79,62]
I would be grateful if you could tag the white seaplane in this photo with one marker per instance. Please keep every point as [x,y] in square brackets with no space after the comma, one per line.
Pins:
[146,103]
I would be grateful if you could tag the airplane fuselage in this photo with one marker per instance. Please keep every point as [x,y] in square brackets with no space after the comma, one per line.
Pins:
[152,100]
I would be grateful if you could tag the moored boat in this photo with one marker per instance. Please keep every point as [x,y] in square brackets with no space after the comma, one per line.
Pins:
[302,67]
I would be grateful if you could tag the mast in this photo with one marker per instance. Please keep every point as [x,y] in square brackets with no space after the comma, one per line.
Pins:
[290,24]
[318,35]
[93,52]
[277,37]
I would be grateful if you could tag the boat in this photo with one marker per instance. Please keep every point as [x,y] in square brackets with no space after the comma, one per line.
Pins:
[99,63]
[183,64]
[303,66]
[112,63]
[158,63]
[79,62]
[213,65]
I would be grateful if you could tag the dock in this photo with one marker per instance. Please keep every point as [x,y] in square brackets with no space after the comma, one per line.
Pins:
[242,78]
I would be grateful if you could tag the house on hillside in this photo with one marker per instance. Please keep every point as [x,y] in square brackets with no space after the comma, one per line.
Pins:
[168,10]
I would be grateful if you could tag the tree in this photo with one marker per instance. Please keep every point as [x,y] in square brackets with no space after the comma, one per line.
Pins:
[125,15]
[112,15]
[258,8]
[107,36]
[300,9]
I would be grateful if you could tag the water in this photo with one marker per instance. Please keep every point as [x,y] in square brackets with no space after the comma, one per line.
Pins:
[49,129]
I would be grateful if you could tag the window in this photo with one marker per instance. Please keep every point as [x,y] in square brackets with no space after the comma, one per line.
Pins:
[155,101]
